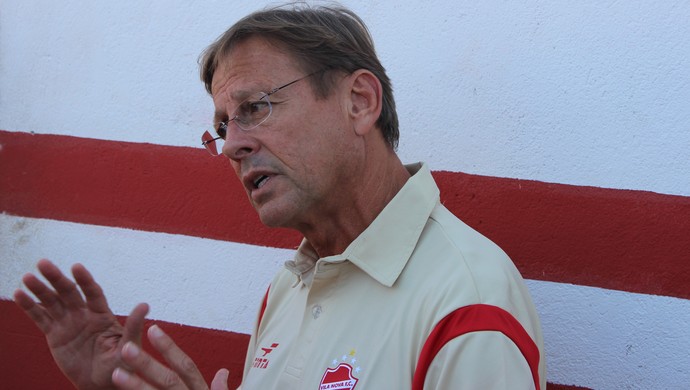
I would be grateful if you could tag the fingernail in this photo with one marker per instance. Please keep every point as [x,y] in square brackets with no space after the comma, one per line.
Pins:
[120,375]
[131,349]
[155,331]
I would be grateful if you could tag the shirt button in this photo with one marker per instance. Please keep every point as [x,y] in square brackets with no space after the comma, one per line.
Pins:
[316,311]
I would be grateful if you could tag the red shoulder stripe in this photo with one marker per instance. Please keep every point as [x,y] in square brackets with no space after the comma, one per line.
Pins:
[476,318]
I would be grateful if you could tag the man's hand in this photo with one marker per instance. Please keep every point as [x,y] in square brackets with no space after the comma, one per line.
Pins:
[151,374]
[84,336]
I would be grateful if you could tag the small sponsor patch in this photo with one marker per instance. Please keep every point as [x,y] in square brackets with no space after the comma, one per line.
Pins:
[262,361]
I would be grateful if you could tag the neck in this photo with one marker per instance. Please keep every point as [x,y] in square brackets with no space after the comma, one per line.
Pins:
[357,206]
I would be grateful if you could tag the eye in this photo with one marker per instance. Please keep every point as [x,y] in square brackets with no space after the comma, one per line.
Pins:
[222,129]
[252,108]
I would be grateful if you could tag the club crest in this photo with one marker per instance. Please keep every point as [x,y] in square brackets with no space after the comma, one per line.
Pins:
[341,375]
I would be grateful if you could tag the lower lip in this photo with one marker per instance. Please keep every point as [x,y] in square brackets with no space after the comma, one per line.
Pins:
[258,191]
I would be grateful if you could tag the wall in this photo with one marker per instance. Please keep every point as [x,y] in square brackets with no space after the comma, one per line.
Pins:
[560,130]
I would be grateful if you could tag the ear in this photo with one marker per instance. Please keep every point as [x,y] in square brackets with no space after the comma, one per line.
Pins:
[365,101]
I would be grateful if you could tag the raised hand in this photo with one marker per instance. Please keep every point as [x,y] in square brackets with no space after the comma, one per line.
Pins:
[83,334]
[148,373]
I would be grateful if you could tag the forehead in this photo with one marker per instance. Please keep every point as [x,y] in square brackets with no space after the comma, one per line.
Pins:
[250,64]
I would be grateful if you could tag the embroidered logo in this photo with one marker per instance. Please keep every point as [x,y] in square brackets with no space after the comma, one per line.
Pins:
[341,377]
[262,362]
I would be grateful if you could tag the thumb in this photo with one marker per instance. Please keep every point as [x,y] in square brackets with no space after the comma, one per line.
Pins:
[220,381]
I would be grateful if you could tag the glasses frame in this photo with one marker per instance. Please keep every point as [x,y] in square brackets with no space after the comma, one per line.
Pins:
[208,140]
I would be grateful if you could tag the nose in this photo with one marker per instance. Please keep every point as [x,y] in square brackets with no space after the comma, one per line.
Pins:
[239,143]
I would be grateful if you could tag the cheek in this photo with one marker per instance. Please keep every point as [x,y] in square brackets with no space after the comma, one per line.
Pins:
[309,140]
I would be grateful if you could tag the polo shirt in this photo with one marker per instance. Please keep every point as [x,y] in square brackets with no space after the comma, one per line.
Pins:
[419,300]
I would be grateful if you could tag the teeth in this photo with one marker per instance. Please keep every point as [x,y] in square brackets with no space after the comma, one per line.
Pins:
[260,181]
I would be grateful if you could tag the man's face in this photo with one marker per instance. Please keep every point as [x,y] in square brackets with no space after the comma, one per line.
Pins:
[292,165]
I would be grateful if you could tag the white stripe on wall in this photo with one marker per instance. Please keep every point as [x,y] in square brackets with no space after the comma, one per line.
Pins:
[607,339]
[586,93]
[187,280]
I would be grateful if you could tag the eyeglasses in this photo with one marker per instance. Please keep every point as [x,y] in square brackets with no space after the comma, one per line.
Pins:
[251,113]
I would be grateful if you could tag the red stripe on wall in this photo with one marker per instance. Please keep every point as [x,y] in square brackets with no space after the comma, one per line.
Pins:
[133,185]
[26,363]
[627,240]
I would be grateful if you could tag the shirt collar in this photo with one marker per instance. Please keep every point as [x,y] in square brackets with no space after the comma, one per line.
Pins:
[383,248]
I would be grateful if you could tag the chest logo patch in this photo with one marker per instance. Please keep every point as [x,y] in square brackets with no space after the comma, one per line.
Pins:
[340,376]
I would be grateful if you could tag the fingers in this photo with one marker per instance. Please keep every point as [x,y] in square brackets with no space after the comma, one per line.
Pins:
[178,360]
[37,313]
[126,380]
[54,302]
[45,295]
[63,297]
[150,372]
[66,290]
[95,299]
[182,374]
[134,325]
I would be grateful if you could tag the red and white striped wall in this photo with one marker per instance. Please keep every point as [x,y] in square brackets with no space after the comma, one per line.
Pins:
[561,131]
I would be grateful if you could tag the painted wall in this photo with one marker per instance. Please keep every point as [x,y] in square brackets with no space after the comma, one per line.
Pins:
[561,130]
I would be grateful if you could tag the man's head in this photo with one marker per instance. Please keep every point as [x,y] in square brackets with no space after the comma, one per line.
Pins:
[299,102]
[320,39]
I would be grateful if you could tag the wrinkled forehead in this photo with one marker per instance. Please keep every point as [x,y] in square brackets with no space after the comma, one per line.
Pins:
[252,66]
[250,62]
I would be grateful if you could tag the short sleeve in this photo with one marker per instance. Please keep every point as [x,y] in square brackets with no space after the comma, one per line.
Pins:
[479,360]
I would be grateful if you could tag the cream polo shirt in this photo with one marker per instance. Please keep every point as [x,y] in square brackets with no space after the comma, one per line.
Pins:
[418,301]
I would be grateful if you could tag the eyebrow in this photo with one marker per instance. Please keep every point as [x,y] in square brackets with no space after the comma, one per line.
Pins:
[237,96]
[240,95]
[248,89]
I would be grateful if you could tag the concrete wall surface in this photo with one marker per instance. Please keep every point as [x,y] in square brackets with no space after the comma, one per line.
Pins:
[560,130]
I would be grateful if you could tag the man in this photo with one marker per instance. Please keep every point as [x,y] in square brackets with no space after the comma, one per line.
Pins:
[388,290]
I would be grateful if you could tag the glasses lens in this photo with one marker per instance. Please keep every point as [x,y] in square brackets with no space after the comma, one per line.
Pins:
[253,111]
[214,146]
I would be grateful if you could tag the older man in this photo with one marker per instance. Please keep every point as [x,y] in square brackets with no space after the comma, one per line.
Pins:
[388,290]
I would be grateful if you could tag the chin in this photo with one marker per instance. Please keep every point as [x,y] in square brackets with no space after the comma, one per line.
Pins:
[275,218]
[282,212]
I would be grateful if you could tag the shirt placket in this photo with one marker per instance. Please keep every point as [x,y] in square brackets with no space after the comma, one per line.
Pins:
[314,319]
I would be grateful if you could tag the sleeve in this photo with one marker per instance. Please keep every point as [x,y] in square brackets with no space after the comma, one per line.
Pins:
[479,360]
[478,346]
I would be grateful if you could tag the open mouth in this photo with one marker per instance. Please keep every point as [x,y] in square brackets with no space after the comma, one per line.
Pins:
[260,181]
